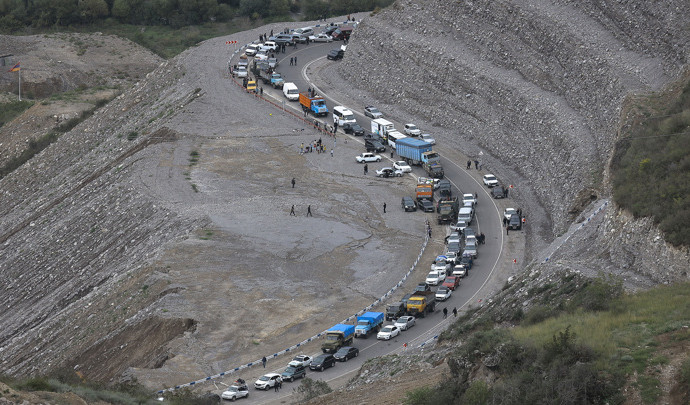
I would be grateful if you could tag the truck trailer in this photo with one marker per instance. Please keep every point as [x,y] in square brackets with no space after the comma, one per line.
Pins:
[416,151]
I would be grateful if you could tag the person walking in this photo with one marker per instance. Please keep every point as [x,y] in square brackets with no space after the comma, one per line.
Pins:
[384,208]
[391,153]
[275,386]
[335,127]
[505,192]
[295,56]
[331,152]
[507,229]
[469,164]
[455,312]
[290,61]
[366,169]
[292,211]
[263,361]
[293,182]
[445,313]
[505,221]
[309,211]
[476,164]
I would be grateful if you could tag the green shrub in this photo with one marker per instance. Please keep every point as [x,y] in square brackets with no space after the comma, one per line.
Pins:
[9,111]
[310,389]
[478,393]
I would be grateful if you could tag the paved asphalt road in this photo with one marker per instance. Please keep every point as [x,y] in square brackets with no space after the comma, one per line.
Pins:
[487,220]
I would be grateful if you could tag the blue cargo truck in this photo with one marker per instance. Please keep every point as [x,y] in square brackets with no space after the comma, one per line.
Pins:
[416,151]
[369,322]
[338,336]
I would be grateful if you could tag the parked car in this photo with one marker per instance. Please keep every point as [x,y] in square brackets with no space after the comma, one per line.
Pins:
[408,204]
[299,38]
[508,212]
[468,231]
[252,49]
[374,144]
[498,192]
[454,247]
[435,277]
[469,198]
[346,353]
[412,130]
[459,271]
[267,381]
[388,332]
[451,282]
[353,128]
[490,180]
[440,263]
[470,250]
[451,257]
[459,226]
[235,392]
[454,236]
[515,222]
[465,262]
[405,322]
[372,112]
[428,138]
[368,157]
[292,373]
[335,54]
[443,293]
[320,38]
[283,39]
[300,360]
[322,362]
[426,205]
[389,172]
[402,165]
[240,72]
[269,46]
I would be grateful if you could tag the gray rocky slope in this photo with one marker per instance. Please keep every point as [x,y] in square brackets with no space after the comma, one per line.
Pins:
[533,89]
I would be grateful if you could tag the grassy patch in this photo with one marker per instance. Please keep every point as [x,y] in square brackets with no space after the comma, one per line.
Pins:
[651,163]
[9,111]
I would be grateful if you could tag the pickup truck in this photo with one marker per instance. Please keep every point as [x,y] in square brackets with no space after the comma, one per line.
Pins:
[395,311]
[421,303]
[367,323]
[338,336]
[315,105]
[269,76]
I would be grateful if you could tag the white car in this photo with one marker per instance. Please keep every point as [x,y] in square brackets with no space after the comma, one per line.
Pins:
[428,138]
[451,257]
[252,49]
[412,130]
[435,277]
[405,322]
[389,172]
[428,180]
[459,271]
[388,332]
[240,72]
[234,392]
[443,293]
[508,212]
[402,165]
[368,157]
[490,180]
[454,237]
[300,360]
[267,381]
[320,38]
[459,226]
[469,198]
[440,263]
[269,46]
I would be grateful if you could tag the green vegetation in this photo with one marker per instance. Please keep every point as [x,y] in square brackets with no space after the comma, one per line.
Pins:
[310,389]
[651,165]
[582,349]
[8,111]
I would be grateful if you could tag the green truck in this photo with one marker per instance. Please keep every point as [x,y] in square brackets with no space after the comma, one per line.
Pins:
[447,210]
[338,336]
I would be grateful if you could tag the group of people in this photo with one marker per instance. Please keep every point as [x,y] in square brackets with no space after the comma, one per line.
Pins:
[314,146]
[445,312]
[476,165]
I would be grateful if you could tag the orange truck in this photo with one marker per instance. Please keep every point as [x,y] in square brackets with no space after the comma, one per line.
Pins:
[425,192]
[316,105]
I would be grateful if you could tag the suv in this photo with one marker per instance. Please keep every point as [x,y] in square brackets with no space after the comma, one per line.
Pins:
[497,192]
[408,204]
[292,373]
[267,381]
[515,223]
[322,362]
[374,145]
[335,54]
[353,128]
[490,180]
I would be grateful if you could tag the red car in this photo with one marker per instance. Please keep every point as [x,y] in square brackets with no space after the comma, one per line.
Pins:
[451,282]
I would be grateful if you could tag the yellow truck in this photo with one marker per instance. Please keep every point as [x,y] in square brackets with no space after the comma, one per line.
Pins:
[421,303]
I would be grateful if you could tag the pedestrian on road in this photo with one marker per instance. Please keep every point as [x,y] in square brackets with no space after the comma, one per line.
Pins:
[309,211]
[507,229]
[476,198]
[482,238]
[261,90]
[505,192]
[271,32]
[292,211]
[476,164]
[445,313]
[455,312]
[391,154]
[263,361]
[335,127]
[384,208]
[366,169]
[275,386]
[505,221]
[469,164]
[290,61]
[295,56]
[293,182]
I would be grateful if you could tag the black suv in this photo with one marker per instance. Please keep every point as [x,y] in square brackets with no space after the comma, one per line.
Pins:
[426,205]
[346,353]
[408,204]
[497,192]
[322,362]
[294,372]
[374,145]
[515,222]
[335,54]
[354,129]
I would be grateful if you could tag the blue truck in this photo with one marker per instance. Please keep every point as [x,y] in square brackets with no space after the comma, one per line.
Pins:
[369,322]
[416,151]
[338,336]
[315,105]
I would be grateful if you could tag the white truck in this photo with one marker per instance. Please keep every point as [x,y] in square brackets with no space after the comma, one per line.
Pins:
[381,127]
[394,136]
[290,91]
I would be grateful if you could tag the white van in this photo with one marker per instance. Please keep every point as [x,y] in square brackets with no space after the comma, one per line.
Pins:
[290,91]
[341,116]
[466,214]
[393,136]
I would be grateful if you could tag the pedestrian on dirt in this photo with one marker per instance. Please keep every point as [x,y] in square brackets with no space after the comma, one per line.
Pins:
[263,361]
[505,221]
[293,182]
[331,152]
[469,164]
[455,312]
[292,211]
[430,232]
[476,164]
[445,313]
[523,221]
[366,169]
[261,90]
[271,32]
[384,208]
[507,229]
[505,192]
[309,211]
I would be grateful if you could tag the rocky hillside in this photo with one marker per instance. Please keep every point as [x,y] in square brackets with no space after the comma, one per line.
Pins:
[534,90]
